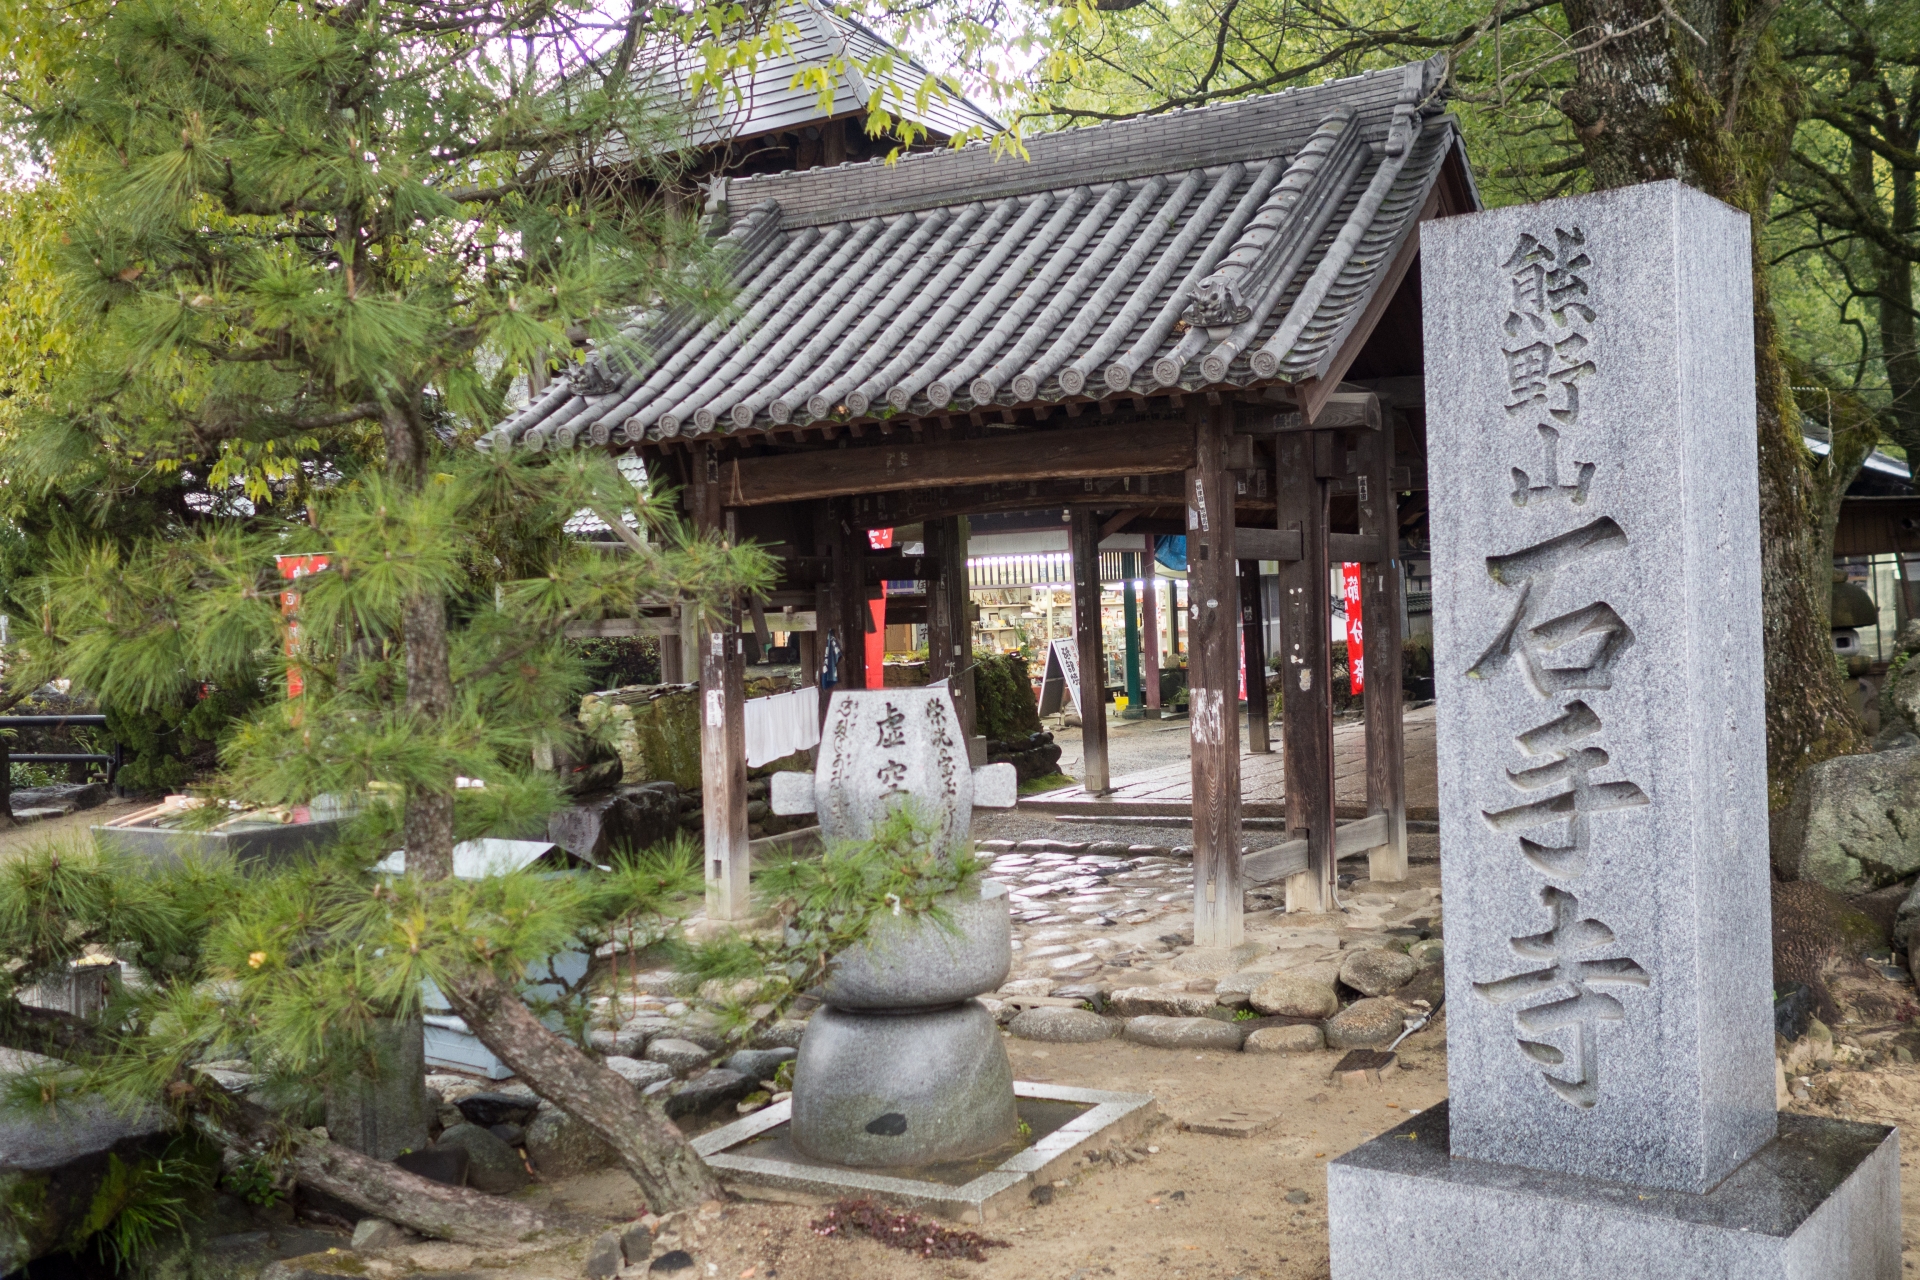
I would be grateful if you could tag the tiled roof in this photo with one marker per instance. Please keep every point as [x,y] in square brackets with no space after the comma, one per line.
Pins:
[764,98]
[1230,245]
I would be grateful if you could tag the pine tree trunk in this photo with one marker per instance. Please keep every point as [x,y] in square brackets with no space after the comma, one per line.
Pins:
[429,817]
[378,1188]
[428,825]
[1710,107]
[670,1173]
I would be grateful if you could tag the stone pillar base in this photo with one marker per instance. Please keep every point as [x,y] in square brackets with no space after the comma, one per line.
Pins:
[1820,1202]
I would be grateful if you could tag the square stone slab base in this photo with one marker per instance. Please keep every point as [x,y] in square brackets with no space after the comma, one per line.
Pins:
[753,1157]
[1820,1202]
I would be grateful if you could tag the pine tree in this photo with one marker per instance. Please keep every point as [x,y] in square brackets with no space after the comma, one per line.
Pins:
[303,251]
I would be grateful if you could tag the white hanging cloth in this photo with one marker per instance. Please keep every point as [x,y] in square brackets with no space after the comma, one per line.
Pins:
[781,724]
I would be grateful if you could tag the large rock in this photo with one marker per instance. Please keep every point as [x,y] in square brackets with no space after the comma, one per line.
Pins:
[1301,1039]
[1373,1023]
[499,1107]
[1295,995]
[61,1164]
[561,1147]
[1163,1002]
[1900,694]
[758,1064]
[492,1165]
[1183,1033]
[873,1091]
[709,1092]
[681,1055]
[915,961]
[630,818]
[1854,824]
[1053,1025]
[637,1073]
[1376,972]
[655,728]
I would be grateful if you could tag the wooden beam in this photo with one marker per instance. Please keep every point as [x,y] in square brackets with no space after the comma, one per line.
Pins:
[912,506]
[1380,627]
[1306,669]
[1118,521]
[1139,448]
[1084,540]
[1213,684]
[1345,409]
[948,631]
[852,617]
[1284,545]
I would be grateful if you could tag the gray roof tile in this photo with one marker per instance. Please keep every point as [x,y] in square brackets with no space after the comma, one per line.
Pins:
[1227,245]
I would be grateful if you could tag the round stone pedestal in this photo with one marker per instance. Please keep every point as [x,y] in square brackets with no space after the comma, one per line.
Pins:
[887,1090]
[901,1067]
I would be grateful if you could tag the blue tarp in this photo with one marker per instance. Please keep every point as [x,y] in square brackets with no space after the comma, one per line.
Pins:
[1170,549]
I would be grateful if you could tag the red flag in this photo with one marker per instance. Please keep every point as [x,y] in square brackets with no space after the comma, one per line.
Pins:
[1356,643]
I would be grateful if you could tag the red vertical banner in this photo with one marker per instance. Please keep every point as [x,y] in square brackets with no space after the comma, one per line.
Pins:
[294,568]
[1356,640]
[878,540]
[877,643]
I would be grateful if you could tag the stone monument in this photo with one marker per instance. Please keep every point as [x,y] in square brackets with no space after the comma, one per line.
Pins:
[903,1067]
[1591,436]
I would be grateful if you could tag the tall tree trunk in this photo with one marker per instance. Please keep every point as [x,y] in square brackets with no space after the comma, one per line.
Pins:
[1899,345]
[428,824]
[671,1175]
[1706,103]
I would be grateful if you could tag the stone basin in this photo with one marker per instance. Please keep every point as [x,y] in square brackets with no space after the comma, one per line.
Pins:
[918,962]
[878,1090]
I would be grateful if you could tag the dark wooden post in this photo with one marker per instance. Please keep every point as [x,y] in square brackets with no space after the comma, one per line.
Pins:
[1380,589]
[1084,538]
[1151,616]
[1302,464]
[1253,637]
[848,547]
[673,667]
[1214,696]
[723,744]
[949,656]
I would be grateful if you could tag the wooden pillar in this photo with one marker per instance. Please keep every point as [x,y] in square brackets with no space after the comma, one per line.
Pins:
[723,746]
[673,667]
[1214,678]
[1084,539]
[1380,589]
[949,655]
[1130,615]
[1150,607]
[848,547]
[1302,465]
[1253,638]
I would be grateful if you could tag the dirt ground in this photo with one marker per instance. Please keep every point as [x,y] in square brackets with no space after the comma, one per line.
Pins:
[1199,1207]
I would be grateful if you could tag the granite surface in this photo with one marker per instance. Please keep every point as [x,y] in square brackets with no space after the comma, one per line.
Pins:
[875,1091]
[1819,1202]
[916,961]
[1598,674]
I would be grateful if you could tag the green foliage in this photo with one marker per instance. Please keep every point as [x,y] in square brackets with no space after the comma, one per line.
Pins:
[1003,695]
[615,663]
[1033,786]
[150,1199]
[1244,1015]
[255,1181]
[169,743]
